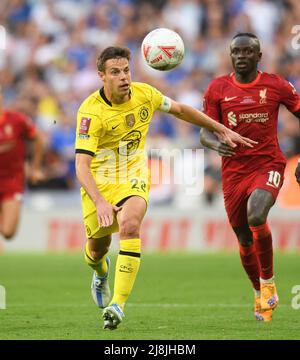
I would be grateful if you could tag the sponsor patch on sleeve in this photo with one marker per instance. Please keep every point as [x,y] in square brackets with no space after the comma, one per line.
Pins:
[84,125]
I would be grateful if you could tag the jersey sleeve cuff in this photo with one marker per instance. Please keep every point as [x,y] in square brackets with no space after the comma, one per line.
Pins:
[83,151]
[296,108]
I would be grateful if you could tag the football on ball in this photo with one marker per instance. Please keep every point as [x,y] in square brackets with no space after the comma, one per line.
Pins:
[162,49]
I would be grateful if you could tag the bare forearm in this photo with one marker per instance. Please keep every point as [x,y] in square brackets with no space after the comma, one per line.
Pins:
[196,117]
[193,116]
[87,181]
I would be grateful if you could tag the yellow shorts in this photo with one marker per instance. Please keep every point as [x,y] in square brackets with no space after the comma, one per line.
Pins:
[114,194]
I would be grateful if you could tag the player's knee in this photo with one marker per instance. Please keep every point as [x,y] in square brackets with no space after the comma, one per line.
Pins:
[98,255]
[8,234]
[256,218]
[129,228]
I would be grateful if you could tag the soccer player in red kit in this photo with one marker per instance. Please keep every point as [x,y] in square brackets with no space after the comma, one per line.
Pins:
[15,130]
[247,101]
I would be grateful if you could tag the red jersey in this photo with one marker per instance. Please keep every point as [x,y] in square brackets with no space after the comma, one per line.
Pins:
[15,129]
[252,111]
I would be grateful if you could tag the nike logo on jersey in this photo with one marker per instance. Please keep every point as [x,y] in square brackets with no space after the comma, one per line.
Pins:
[114,127]
[230,98]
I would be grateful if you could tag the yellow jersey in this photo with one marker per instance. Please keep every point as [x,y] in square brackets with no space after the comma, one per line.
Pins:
[114,134]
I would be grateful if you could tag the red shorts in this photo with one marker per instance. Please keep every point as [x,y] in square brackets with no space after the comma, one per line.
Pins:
[236,196]
[12,187]
[11,196]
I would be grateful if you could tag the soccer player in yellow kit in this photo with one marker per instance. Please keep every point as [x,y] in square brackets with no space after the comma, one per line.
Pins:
[111,167]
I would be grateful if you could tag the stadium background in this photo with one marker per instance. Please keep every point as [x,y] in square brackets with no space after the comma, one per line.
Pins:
[46,70]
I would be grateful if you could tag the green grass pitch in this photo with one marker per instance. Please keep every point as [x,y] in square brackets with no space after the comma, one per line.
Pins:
[176,296]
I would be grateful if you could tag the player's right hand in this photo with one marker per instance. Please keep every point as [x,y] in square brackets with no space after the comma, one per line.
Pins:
[232,138]
[36,175]
[106,212]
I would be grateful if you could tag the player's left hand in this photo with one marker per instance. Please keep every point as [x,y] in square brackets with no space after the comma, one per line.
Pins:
[232,138]
[297,172]
[225,150]
[36,175]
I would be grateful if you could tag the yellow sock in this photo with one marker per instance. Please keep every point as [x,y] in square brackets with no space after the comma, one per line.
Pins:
[99,266]
[127,267]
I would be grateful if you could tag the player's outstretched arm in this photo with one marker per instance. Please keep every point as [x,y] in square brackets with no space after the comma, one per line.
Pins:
[211,141]
[104,209]
[196,117]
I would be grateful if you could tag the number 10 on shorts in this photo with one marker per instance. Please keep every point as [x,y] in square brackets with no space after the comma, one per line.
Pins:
[274,179]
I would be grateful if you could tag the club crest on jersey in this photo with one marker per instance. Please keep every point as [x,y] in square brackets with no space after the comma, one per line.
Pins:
[84,125]
[263,96]
[144,113]
[130,120]
[231,117]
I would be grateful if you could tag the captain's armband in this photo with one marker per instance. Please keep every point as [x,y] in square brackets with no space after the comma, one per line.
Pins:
[165,106]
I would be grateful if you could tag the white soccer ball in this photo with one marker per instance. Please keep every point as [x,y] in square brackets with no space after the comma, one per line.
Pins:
[162,49]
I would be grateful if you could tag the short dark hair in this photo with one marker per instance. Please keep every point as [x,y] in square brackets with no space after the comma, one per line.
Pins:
[112,52]
[245,34]
[250,35]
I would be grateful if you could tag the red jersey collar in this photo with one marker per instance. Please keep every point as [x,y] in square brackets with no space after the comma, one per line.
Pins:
[246,85]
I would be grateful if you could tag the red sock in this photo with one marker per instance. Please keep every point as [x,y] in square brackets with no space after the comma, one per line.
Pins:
[250,264]
[262,240]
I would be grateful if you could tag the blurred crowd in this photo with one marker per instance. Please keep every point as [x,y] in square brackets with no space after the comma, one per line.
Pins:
[49,65]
